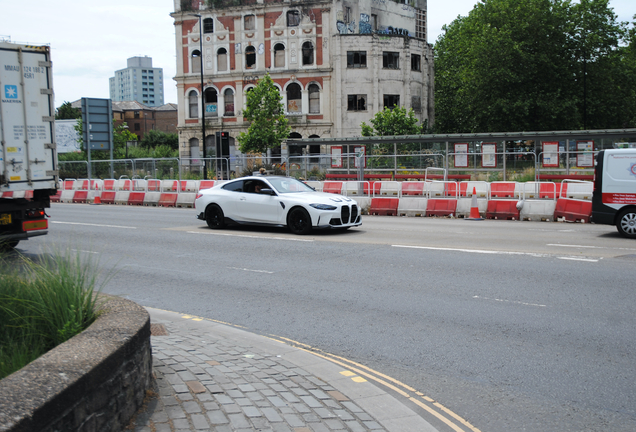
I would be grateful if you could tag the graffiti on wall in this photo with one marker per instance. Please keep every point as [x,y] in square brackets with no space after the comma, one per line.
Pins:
[394,31]
[365,25]
[346,28]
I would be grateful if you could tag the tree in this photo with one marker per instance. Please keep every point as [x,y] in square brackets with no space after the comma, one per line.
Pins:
[155,138]
[396,121]
[66,111]
[268,127]
[518,65]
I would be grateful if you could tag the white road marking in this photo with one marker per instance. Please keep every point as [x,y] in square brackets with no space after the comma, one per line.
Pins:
[578,259]
[510,301]
[84,251]
[251,236]
[250,270]
[495,252]
[590,247]
[95,225]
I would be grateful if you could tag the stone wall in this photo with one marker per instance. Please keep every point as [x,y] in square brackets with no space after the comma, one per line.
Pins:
[95,381]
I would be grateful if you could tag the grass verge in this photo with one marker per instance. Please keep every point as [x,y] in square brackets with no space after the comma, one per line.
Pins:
[43,304]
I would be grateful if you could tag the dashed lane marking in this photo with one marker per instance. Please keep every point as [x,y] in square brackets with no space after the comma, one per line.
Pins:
[509,301]
[498,252]
[251,236]
[95,225]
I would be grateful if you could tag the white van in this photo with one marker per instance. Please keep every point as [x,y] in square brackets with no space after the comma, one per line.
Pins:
[614,197]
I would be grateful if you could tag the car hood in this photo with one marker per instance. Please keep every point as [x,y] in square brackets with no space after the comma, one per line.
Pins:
[317,198]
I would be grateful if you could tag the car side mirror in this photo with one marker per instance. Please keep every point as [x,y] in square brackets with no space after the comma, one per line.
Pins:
[267,191]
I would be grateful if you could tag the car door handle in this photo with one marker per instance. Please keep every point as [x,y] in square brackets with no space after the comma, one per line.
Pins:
[242,198]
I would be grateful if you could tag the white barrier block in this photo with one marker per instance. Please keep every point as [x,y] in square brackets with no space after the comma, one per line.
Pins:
[527,190]
[364,204]
[435,189]
[152,198]
[464,205]
[19,194]
[169,185]
[582,191]
[412,206]
[481,188]
[67,196]
[191,186]
[538,210]
[389,188]
[186,199]
[315,184]
[140,185]
[121,197]
[354,188]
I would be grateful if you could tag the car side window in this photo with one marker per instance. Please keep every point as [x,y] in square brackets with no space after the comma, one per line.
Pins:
[254,186]
[235,186]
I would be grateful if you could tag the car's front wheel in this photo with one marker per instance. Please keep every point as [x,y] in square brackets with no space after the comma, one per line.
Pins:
[214,217]
[626,223]
[299,221]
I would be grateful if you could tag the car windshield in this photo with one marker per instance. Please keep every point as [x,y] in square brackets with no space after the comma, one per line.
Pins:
[289,185]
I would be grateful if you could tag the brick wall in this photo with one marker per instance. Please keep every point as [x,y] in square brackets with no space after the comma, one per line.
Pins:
[93,382]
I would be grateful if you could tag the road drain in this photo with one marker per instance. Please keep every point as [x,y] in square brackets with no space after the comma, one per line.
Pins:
[158,330]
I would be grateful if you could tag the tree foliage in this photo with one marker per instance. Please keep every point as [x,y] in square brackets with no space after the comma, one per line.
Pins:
[155,138]
[66,111]
[396,121]
[521,65]
[268,127]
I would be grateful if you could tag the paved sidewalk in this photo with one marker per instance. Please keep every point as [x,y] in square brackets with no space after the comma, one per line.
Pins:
[214,377]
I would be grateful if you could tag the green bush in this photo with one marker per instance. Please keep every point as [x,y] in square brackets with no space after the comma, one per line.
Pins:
[43,304]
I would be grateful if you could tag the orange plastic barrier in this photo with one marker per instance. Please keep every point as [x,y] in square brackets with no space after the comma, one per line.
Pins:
[413,188]
[450,189]
[573,210]
[502,190]
[167,200]
[56,197]
[384,206]
[441,207]
[136,198]
[502,209]
[154,185]
[80,196]
[334,187]
[7,194]
[108,197]
[206,184]
[109,185]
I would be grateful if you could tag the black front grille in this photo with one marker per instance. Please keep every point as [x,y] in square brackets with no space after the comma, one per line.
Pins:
[344,214]
[354,213]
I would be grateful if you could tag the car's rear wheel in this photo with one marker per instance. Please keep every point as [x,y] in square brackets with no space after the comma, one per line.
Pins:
[298,221]
[214,217]
[626,223]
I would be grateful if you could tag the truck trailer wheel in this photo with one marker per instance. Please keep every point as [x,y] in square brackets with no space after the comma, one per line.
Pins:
[626,223]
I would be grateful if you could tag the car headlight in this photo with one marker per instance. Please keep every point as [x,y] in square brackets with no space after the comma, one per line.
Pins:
[323,206]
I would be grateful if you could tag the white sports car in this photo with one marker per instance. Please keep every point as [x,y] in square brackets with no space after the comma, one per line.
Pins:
[278,201]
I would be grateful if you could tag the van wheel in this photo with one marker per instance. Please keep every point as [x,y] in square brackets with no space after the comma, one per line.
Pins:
[626,223]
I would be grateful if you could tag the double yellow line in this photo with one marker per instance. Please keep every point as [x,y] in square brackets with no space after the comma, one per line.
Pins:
[443,414]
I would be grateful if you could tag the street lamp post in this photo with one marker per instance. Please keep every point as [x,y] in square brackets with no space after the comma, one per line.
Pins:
[205,174]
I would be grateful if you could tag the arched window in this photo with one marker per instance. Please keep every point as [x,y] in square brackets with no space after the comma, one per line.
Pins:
[314,99]
[196,61]
[228,94]
[221,59]
[193,104]
[295,149]
[194,148]
[211,99]
[294,98]
[279,55]
[250,57]
[308,54]
[208,25]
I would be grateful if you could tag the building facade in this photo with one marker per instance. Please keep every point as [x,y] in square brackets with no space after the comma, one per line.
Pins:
[336,64]
[138,82]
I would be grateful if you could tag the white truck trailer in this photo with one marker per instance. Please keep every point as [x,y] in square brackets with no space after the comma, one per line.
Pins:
[28,162]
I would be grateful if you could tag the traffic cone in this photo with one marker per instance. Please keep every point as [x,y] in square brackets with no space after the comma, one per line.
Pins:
[97,200]
[474,209]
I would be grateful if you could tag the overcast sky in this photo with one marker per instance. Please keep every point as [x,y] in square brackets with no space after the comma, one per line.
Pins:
[91,40]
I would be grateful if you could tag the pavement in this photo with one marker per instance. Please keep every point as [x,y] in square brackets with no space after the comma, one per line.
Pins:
[215,377]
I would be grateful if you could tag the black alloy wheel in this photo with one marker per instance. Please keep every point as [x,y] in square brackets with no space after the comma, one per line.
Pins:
[298,221]
[214,217]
